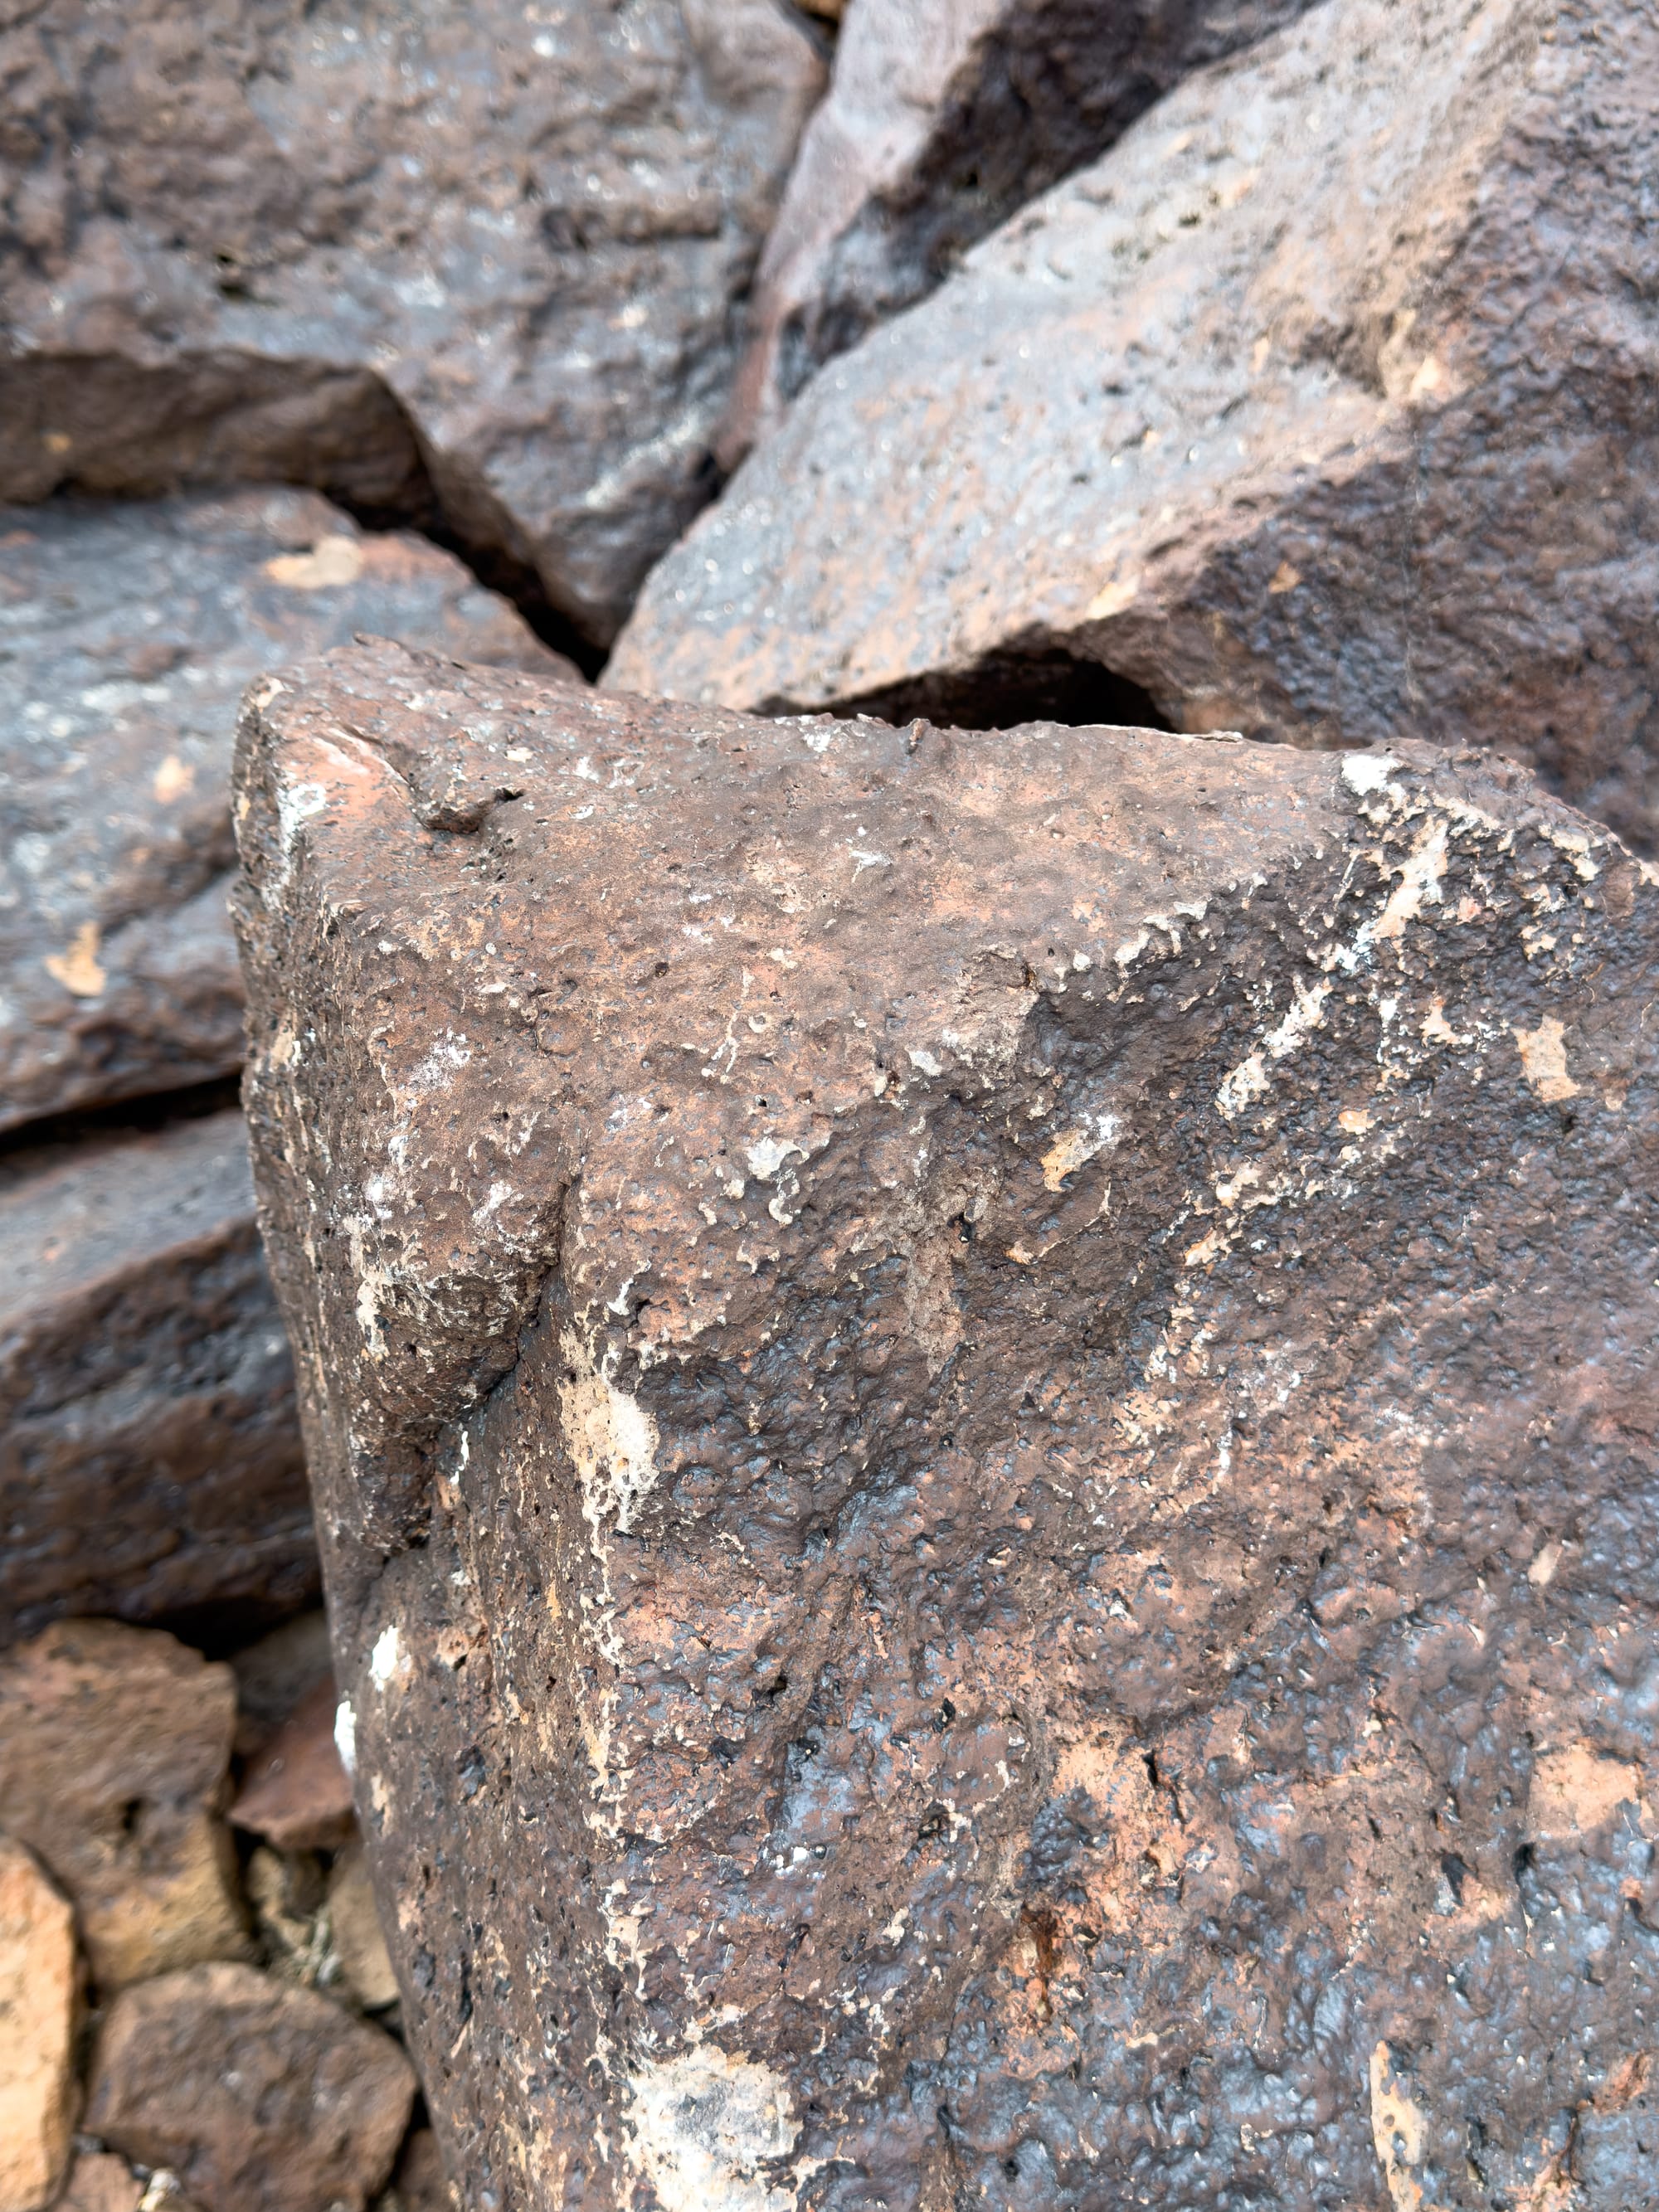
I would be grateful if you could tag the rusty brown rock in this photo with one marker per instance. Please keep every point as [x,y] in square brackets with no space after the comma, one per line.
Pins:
[942,118]
[127,635]
[1323,407]
[483,262]
[38,1994]
[100,2182]
[260,2097]
[985,1416]
[297,1794]
[359,1941]
[114,1743]
[420,2185]
[150,1462]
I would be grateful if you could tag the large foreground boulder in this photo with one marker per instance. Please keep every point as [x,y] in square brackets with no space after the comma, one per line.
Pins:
[942,118]
[483,260]
[985,1419]
[150,1463]
[1326,406]
[127,635]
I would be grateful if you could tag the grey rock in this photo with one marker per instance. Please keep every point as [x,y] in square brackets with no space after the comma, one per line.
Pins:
[1325,407]
[150,1462]
[483,260]
[127,635]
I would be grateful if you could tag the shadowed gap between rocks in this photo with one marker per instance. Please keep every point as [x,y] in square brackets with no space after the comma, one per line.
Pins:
[29,1145]
[1006,689]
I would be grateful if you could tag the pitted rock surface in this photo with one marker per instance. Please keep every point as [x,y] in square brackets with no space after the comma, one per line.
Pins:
[984,1418]
[939,122]
[127,635]
[150,1462]
[483,260]
[1323,407]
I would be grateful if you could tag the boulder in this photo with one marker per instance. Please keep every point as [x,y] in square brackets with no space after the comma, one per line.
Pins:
[478,265]
[150,1462]
[114,1743]
[984,1415]
[939,122]
[1325,407]
[259,2096]
[127,635]
[38,1994]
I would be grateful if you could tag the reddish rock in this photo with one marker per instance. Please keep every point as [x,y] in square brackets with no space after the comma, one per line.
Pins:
[297,1794]
[483,261]
[260,2097]
[127,635]
[1322,408]
[38,1993]
[100,2182]
[113,1747]
[940,121]
[985,1417]
[420,2185]
[150,1462]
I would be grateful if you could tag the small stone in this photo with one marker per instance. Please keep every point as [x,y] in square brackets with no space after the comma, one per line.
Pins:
[150,1461]
[259,2096]
[288,1894]
[355,1923]
[276,1675]
[100,2182]
[297,1794]
[38,1996]
[114,1743]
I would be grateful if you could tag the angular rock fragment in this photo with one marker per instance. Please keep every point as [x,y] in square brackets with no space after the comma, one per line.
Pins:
[150,1462]
[261,2097]
[939,122]
[359,1941]
[38,1996]
[113,1747]
[1323,407]
[985,1415]
[100,2182]
[127,635]
[478,261]
[297,1793]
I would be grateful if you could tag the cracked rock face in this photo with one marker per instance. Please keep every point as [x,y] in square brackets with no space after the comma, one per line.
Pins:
[486,258]
[940,120]
[1322,408]
[127,635]
[150,1462]
[984,1419]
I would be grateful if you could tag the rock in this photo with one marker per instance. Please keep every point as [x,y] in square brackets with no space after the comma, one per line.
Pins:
[277,1674]
[297,1794]
[985,1420]
[355,1925]
[288,1894]
[420,2185]
[100,2182]
[113,1747]
[150,1462]
[939,122]
[261,2097]
[37,2033]
[1307,410]
[483,263]
[127,635]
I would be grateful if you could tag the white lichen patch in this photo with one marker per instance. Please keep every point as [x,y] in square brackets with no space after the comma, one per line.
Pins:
[1249,1078]
[1076,1147]
[383,1660]
[705,2125]
[612,1439]
[1544,1059]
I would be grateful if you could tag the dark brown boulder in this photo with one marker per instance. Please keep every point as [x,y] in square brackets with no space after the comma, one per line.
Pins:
[1325,407]
[483,260]
[127,635]
[985,1415]
[941,119]
[260,2097]
[150,1462]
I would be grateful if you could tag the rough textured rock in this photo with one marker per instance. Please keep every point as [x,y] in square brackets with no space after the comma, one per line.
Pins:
[100,2182]
[261,2097]
[150,1462]
[984,1412]
[940,121]
[420,2183]
[359,1941]
[1323,407]
[37,2033]
[127,635]
[113,1747]
[297,1795]
[485,259]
